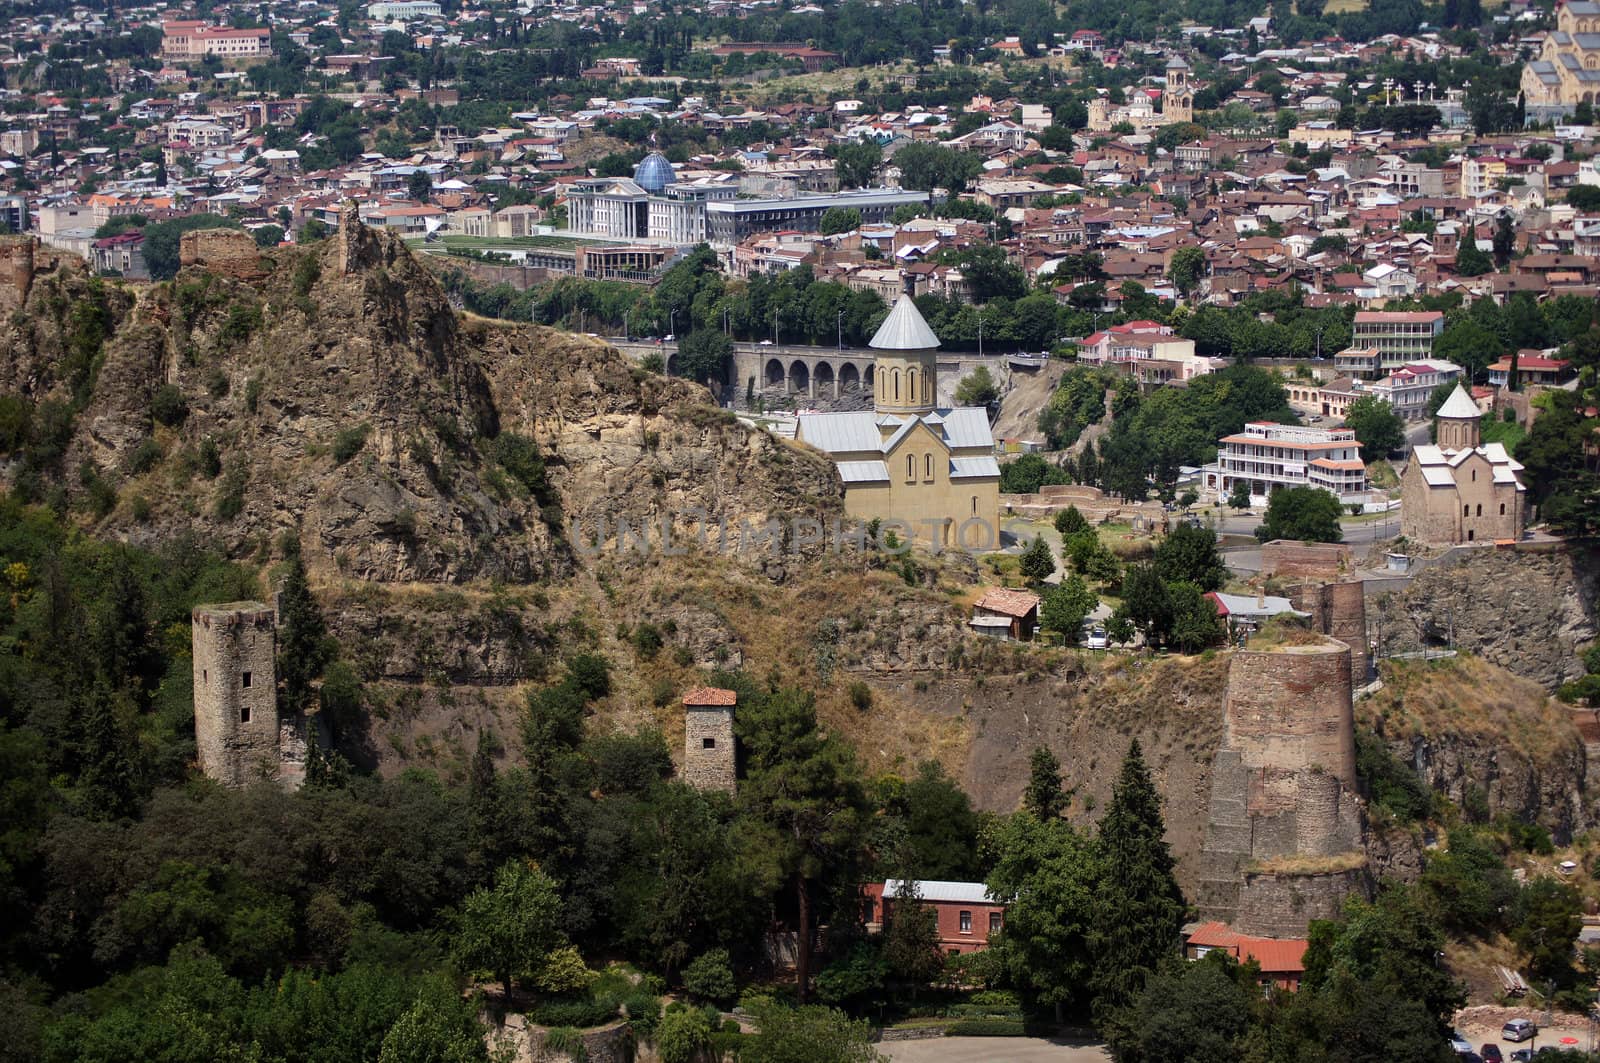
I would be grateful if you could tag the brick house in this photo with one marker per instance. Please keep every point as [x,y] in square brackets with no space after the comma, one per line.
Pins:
[968,915]
[1282,960]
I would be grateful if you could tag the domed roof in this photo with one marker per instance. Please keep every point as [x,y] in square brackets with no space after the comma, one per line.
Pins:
[1460,406]
[653,173]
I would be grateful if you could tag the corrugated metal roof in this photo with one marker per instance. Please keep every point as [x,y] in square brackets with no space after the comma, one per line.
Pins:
[840,432]
[934,890]
[969,468]
[904,329]
[863,472]
[967,426]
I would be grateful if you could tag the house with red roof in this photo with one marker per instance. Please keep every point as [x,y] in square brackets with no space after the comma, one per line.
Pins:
[1281,960]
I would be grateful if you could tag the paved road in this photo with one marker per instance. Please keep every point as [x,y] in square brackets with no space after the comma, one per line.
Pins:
[993,1050]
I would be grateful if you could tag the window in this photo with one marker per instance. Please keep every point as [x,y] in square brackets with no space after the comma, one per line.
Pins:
[994,922]
[244,714]
[911,467]
[975,505]
[205,676]
[966,922]
[708,743]
[1480,509]
[244,681]
[1466,511]
[897,385]
[927,466]
[1502,509]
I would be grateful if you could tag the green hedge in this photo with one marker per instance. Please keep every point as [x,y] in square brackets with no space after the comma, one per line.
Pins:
[579,1013]
[726,1045]
[986,1028]
[984,1011]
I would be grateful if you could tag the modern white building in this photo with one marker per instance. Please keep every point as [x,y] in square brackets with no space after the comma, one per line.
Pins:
[1269,456]
[404,10]
[1409,388]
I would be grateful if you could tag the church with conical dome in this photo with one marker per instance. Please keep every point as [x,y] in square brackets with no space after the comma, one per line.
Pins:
[1461,489]
[927,471]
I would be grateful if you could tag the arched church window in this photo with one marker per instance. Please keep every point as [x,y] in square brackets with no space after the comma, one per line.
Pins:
[927,466]
[911,467]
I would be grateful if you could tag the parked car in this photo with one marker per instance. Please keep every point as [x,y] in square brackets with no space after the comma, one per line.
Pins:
[1096,639]
[1491,1054]
[1521,1055]
[1459,1044]
[1518,1030]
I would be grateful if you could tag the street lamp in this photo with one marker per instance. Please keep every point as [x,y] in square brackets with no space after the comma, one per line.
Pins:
[774,326]
[725,312]
[980,333]
[672,324]
[838,322]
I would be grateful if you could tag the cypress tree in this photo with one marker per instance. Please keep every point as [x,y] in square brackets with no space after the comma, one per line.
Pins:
[1139,908]
[302,638]
[1044,798]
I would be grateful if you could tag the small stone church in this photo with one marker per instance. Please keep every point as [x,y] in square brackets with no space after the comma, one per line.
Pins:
[908,459]
[1461,490]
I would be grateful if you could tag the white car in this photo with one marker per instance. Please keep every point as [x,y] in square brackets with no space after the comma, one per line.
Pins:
[1096,639]
[764,343]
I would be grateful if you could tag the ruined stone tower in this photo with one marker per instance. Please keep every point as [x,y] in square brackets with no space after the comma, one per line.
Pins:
[1339,610]
[236,722]
[1283,837]
[17,255]
[708,752]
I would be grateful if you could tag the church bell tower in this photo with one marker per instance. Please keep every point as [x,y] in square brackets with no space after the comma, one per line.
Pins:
[905,373]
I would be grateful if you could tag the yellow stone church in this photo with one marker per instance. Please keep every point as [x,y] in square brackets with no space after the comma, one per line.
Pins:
[1567,70]
[908,460]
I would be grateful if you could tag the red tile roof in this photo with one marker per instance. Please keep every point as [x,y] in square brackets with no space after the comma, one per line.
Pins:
[1009,603]
[710,696]
[1275,956]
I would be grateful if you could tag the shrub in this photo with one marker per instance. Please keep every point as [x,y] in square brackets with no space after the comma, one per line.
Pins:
[348,443]
[647,641]
[210,458]
[860,696]
[252,394]
[987,1028]
[520,457]
[684,1035]
[144,457]
[243,320]
[217,384]
[572,1013]
[230,496]
[564,972]
[566,1040]
[167,406]
[710,977]
[644,1012]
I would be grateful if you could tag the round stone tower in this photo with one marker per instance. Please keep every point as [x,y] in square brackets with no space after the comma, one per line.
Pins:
[906,369]
[236,725]
[1458,422]
[1289,709]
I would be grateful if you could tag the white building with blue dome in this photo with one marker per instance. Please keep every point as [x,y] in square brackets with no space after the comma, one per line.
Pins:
[651,206]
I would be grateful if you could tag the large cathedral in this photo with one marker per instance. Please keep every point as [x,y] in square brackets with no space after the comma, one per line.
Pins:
[1567,71]
[930,469]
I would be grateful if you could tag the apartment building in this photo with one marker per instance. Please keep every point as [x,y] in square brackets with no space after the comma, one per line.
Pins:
[194,39]
[1269,456]
[1408,388]
[1401,337]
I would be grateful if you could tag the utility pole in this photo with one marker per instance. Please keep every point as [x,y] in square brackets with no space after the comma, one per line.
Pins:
[838,322]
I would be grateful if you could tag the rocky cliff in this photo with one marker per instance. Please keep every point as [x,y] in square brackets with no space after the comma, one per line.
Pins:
[1530,611]
[332,391]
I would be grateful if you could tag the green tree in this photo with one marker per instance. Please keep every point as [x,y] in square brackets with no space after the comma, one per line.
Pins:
[419,186]
[1196,624]
[267,235]
[710,977]
[1067,606]
[941,829]
[1469,345]
[1046,876]
[1239,494]
[684,1035]
[1147,602]
[839,220]
[1307,513]
[303,644]
[1377,427]
[1070,522]
[1198,1011]
[1037,562]
[439,1028]
[703,356]
[1187,267]
[804,788]
[1044,799]
[977,388]
[857,164]
[510,928]
[911,941]
[1470,261]
[1139,908]
[1190,553]
[1546,917]
[808,1034]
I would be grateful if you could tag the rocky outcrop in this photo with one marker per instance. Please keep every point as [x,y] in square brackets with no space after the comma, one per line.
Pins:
[331,392]
[1530,610]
